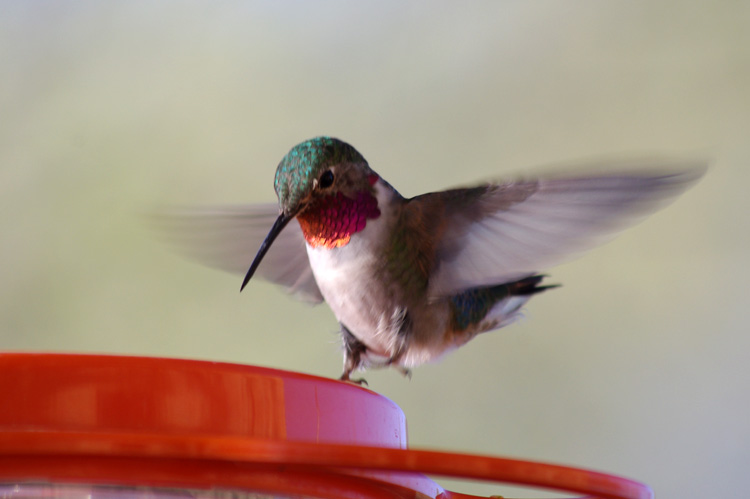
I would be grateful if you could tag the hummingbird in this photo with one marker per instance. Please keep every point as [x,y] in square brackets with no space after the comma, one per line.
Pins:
[411,279]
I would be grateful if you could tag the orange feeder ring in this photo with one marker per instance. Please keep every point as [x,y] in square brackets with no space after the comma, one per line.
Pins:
[107,426]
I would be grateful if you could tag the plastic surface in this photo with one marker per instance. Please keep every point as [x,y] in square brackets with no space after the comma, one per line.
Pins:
[109,394]
[147,422]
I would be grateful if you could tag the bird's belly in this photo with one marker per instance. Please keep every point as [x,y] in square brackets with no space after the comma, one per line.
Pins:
[357,297]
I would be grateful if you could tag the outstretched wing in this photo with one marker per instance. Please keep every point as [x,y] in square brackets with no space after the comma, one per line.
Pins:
[506,231]
[227,238]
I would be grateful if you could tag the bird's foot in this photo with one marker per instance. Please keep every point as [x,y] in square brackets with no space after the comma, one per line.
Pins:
[393,362]
[406,373]
[360,381]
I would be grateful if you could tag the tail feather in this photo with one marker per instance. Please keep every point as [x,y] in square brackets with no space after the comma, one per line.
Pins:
[529,286]
[491,307]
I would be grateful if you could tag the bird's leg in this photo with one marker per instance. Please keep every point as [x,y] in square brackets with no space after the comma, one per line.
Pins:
[393,362]
[405,372]
[353,351]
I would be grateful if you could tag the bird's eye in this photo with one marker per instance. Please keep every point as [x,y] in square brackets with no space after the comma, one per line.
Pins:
[326,180]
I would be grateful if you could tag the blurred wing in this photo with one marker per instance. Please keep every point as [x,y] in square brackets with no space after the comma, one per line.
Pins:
[515,229]
[228,238]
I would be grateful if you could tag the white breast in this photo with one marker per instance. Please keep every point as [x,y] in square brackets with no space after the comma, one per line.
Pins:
[349,281]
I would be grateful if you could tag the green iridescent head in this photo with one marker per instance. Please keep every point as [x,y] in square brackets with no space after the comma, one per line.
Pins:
[312,171]
[308,166]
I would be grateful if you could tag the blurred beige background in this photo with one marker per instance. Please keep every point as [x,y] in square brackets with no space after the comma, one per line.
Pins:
[638,365]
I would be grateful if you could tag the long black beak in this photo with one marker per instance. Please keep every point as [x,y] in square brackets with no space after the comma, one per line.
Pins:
[278,225]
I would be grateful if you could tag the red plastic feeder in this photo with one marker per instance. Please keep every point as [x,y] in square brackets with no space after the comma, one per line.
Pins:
[106,426]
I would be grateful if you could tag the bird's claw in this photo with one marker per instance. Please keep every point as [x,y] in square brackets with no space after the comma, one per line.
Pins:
[360,381]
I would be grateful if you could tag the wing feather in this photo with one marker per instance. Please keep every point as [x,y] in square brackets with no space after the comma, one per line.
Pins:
[227,238]
[520,228]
